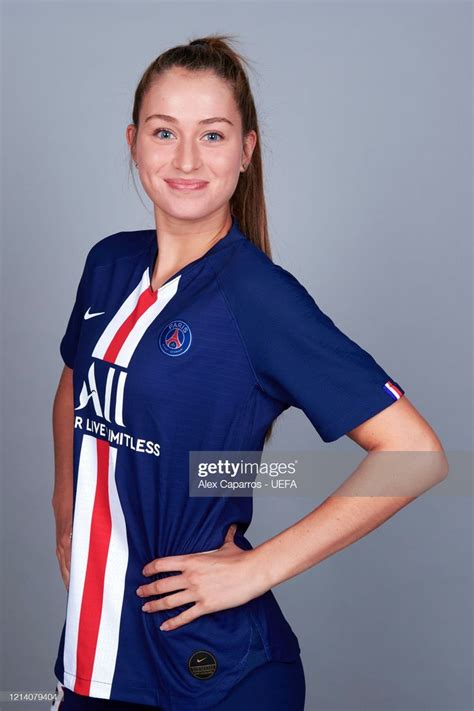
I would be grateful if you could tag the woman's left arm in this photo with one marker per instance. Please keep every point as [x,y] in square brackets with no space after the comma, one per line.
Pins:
[229,576]
[342,518]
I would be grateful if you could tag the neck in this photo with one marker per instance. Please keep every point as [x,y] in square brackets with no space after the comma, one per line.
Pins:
[182,241]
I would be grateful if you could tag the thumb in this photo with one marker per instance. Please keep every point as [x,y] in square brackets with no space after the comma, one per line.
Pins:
[230,533]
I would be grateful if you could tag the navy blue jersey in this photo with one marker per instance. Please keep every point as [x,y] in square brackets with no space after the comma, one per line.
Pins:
[206,362]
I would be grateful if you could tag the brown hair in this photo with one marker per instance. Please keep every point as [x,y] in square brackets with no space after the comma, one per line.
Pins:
[213,52]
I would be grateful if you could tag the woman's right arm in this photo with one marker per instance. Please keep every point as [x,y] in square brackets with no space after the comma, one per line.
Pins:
[62,499]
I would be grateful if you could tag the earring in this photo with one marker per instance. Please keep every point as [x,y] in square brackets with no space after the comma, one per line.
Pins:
[136,165]
[244,166]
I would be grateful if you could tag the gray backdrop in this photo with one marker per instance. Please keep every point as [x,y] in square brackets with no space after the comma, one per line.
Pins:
[366,117]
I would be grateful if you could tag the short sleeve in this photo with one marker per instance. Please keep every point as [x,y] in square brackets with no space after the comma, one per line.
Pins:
[69,341]
[303,359]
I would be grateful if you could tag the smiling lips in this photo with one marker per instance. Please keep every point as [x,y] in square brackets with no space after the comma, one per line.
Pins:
[186,184]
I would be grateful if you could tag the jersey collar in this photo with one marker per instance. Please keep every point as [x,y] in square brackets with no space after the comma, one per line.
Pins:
[232,236]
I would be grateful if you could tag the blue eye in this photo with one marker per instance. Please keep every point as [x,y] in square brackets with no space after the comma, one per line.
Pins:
[210,133]
[214,133]
[159,130]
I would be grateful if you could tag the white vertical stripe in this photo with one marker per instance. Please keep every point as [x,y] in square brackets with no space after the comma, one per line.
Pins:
[114,585]
[121,315]
[165,294]
[84,504]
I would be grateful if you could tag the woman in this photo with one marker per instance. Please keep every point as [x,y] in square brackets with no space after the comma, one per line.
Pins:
[187,337]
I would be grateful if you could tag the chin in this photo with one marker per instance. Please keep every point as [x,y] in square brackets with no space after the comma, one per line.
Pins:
[179,210]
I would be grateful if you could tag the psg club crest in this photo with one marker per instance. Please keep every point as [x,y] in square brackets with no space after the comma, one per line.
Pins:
[175,338]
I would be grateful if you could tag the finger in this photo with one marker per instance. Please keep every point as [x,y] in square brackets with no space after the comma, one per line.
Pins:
[166,564]
[177,582]
[187,616]
[170,601]
[64,573]
[63,553]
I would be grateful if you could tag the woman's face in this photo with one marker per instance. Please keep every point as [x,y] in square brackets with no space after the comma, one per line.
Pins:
[180,136]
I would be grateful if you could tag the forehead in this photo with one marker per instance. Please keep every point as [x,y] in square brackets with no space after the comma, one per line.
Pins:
[190,96]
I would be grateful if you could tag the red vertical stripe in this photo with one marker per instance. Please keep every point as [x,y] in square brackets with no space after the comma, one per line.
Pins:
[92,598]
[147,298]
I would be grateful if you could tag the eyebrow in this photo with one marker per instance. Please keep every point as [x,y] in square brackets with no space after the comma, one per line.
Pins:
[213,119]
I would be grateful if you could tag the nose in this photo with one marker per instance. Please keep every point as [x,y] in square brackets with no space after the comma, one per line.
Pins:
[186,157]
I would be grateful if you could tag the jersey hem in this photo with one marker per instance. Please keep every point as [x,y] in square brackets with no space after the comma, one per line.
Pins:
[154,696]
[149,696]
[273,652]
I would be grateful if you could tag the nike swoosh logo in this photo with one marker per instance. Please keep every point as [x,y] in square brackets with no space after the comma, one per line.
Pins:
[200,660]
[89,315]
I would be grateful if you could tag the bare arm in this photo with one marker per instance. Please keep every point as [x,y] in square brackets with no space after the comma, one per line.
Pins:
[342,519]
[63,431]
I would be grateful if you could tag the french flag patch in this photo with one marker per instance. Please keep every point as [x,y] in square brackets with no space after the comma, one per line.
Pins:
[392,390]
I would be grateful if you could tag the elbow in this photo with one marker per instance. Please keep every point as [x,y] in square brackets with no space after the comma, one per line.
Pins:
[417,435]
[435,461]
[431,443]
[419,463]
[443,464]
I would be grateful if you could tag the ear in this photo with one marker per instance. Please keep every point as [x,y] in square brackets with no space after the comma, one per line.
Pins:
[130,135]
[250,141]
